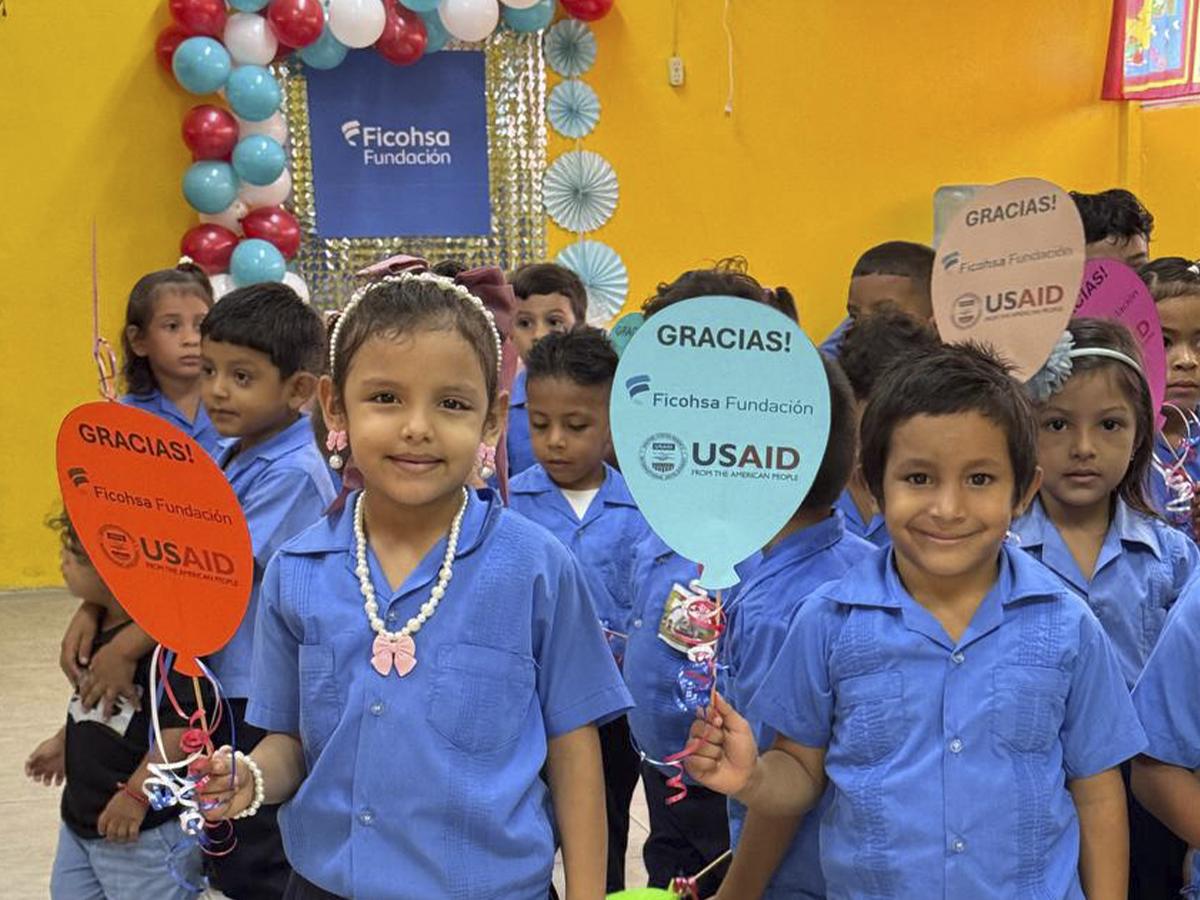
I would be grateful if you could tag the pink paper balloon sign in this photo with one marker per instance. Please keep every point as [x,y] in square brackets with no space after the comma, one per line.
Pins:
[1112,290]
[1008,269]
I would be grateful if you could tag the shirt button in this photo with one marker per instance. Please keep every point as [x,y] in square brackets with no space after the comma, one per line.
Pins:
[958,845]
[958,657]
[956,746]
[377,708]
[391,617]
[366,817]
[637,623]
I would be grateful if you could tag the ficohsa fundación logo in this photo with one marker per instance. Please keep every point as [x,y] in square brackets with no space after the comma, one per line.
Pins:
[411,146]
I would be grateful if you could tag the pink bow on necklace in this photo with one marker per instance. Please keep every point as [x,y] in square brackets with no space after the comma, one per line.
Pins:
[399,651]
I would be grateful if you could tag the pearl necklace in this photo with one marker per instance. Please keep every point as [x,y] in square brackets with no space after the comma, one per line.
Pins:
[397,648]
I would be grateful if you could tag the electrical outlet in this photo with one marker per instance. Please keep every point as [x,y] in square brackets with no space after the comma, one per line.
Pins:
[675,71]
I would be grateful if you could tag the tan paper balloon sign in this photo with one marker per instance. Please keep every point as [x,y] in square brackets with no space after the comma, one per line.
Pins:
[1008,271]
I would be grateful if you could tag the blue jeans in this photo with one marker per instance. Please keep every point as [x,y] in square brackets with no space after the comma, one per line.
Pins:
[102,870]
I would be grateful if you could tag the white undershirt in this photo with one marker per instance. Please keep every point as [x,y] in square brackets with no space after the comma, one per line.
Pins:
[580,500]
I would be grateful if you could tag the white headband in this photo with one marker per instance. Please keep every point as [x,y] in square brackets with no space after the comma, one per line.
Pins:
[428,278]
[1051,377]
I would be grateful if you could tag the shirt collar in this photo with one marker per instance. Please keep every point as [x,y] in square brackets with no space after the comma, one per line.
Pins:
[1033,528]
[613,490]
[845,503]
[290,439]
[796,547]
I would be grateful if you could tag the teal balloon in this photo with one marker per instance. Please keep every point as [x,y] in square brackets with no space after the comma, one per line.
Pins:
[210,186]
[248,5]
[253,93]
[201,65]
[436,35]
[327,52]
[532,18]
[258,159]
[255,261]
[624,329]
[421,6]
[720,415]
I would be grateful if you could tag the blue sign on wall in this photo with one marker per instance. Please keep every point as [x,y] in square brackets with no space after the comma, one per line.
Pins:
[400,151]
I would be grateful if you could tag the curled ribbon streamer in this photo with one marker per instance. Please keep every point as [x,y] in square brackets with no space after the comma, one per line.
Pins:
[102,351]
[1180,487]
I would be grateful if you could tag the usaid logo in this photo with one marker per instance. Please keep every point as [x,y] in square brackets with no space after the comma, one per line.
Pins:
[411,146]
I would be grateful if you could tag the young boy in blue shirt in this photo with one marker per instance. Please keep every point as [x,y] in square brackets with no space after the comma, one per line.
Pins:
[814,547]
[964,707]
[263,350]
[585,503]
[551,299]
[871,345]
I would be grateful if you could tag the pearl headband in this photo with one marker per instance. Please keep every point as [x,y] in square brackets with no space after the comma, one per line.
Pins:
[1051,377]
[401,278]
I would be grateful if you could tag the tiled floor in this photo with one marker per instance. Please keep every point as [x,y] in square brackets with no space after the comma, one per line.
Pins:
[33,702]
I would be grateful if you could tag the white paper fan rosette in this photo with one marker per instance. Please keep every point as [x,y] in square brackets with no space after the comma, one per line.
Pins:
[570,48]
[580,190]
[602,273]
[573,109]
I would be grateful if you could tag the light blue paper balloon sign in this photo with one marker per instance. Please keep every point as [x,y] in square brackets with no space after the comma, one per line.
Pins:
[720,414]
[624,329]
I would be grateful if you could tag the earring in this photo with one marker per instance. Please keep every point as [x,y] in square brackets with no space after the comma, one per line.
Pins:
[485,461]
[335,443]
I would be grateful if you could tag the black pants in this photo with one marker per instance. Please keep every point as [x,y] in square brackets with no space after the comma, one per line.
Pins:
[1155,853]
[685,837]
[621,771]
[256,869]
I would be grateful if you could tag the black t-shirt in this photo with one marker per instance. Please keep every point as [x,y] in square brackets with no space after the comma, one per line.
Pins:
[101,754]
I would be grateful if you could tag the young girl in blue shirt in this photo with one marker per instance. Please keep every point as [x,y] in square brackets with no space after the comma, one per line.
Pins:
[423,652]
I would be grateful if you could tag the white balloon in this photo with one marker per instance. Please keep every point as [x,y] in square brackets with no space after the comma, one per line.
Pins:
[296,283]
[520,4]
[470,20]
[274,127]
[273,194]
[250,40]
[357,23]
[222,284]
[230,217]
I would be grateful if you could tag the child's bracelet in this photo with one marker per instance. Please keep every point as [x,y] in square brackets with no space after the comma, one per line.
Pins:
[136,795]
[259,792]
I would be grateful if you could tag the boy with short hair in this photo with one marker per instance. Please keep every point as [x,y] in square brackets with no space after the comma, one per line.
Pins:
[263,350]
[111,843]
[871,346]
[551,299]
[965,708]
[778,858]
[586,504]
[1115,226]
[892,275]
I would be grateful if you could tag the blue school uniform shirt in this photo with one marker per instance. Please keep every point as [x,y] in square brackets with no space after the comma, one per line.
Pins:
[874,531]
[832,345]
[652,666]
[427,785]
[949,761]
[1165,696]
[520,447]
[757,626]
[200,429]
[602,541]
[284,486]
[1142,567]
[1160,495]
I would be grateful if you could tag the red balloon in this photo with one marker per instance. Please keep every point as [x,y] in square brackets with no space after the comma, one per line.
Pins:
[210,132]
[200,16]
[404,36]
[210,246]
[296,23]
[588,10]
[275,225]
[168,41]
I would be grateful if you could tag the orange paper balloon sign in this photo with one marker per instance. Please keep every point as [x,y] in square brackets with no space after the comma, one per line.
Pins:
[1008,271]
[161,525]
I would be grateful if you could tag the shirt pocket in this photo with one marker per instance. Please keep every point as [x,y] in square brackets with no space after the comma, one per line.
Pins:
[320,706]
[479,696]
[1154,613]
[1029,704]
[870,709]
